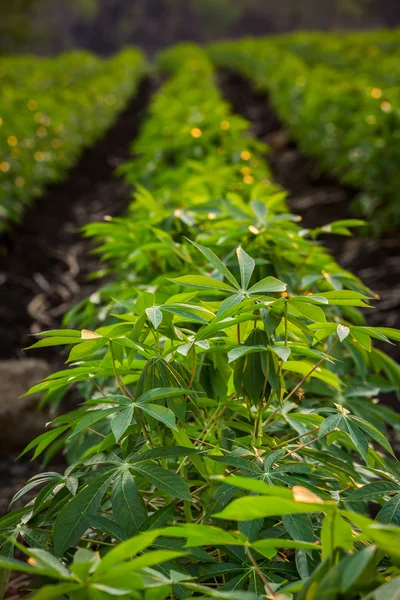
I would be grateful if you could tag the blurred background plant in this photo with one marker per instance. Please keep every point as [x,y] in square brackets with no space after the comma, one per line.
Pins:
[105,26]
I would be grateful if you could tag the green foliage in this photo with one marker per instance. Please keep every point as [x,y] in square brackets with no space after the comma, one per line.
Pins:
[50,110]
[229,439]
[338,94]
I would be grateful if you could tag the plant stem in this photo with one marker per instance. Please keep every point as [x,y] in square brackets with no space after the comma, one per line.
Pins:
[290,452]
[295,439]
[261,404]
[261,575]
[286,323]
[310,373]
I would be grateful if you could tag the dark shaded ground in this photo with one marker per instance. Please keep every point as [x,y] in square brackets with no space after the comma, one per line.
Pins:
[44,263]
[320,199]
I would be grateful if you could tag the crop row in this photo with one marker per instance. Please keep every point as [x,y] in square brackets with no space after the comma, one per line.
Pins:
[229,418]
[339,96]
[50,110]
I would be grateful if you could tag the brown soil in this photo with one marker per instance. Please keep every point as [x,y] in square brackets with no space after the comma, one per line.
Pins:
[45,262]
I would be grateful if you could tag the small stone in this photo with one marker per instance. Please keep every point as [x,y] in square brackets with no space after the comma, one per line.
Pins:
[20,418]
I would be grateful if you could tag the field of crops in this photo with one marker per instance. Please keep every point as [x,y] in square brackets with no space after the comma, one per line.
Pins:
[234,431]
[339,96]
[50,110]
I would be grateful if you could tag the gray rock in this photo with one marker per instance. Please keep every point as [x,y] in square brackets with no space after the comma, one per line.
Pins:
[20,419]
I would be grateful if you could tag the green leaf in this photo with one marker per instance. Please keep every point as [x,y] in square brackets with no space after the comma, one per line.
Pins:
[205,535]
[246,509]
[128,506]
[387,591]
[216,262]
[203,283]
[155,316]
[342,332]
[257,486]
[125,550]
[282,351]
[246,265]
[335,533]
[91,417]
[240,351]
[373,491]
[267,285]
[86,348]
[267,543]
[390,512]
[373,432]
[161,393]
[121,422]
[44,440]
[160,413]
[345,298]
[299,527]
[165,481]
[71,522]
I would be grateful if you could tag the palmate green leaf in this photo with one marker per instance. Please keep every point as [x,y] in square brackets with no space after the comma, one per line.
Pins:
[160,413]
[373,432]
[246,266]
[216,262]
[129,509]
[71,522]
[164,480]
[373,491]
[202,282]
[345,423]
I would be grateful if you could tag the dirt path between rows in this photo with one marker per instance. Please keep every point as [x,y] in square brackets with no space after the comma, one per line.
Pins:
[320,199]
[44,268]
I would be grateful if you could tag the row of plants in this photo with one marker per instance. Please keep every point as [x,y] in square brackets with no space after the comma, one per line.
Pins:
[339,97]
[50,110]
[372,55]
[230,442]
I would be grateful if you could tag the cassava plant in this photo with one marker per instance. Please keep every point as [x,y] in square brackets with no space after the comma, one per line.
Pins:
[338,96]
[230,442]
